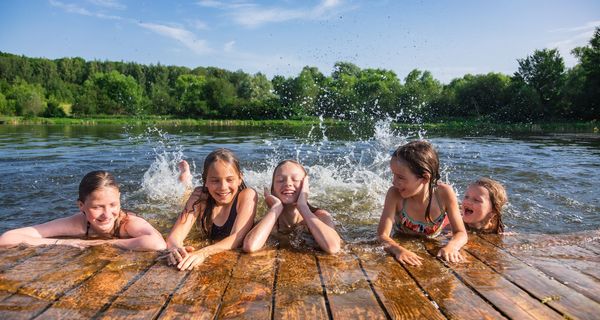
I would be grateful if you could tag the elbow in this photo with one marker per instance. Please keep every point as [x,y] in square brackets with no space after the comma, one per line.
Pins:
[9,238]
[332,248]
[250,247]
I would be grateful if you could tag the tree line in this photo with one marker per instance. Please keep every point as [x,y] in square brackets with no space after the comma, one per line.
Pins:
[541,89]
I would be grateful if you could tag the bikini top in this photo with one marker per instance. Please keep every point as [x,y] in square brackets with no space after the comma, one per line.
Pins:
[221,232]
[407,225]
[116,229]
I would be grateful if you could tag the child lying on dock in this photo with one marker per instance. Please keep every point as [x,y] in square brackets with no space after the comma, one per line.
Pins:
[100,221]
[417,204]
[223,207]
[288,207]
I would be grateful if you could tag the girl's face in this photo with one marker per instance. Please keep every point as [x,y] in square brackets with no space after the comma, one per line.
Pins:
[102,208]
[287,182]
[407,183]
[476,205]
[223,182]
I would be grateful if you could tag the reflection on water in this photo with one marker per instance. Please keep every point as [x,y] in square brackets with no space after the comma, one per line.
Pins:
[550,178]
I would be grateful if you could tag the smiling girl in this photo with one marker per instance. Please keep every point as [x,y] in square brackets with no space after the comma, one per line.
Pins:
[288,207]
[100,221]
[223,207]
[482,206]
[417,204]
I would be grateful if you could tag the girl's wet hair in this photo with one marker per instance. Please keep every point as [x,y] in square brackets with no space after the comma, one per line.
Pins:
[313,209]
[224,155]
[498,199]
[95,180]
[421,158]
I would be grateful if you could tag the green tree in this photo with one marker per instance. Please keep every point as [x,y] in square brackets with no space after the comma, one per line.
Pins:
[544,72]
[4,110]
[588,100]
[420,90]
[27,99]
[190,91]
[110,93]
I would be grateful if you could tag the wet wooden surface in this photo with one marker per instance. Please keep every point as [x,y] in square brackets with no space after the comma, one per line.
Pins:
[510,276]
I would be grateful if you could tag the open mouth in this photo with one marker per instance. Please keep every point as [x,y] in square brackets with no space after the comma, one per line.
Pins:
[468,212]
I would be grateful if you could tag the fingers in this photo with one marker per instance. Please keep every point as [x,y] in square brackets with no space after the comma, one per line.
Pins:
[305,184]
[176,255]
[411,259]
[190,262]
[266,192]
[451,256]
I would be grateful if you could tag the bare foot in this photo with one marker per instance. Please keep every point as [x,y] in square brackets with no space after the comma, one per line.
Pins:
[185,176]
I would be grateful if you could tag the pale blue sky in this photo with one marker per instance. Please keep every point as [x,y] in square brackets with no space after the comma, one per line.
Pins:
[448,38]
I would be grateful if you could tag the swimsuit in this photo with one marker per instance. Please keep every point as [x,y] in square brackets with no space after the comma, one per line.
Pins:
[221,232]
[408,225]
[116,228]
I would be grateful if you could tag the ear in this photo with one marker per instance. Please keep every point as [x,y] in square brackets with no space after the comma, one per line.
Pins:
[426,176]
[80,204]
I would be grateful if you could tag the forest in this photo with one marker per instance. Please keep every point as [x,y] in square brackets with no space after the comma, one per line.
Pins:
[542,89]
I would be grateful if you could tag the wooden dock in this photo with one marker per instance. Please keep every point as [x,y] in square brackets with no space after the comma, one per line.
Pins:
[515,277]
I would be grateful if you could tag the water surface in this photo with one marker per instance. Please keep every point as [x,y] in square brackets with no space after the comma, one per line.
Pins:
[550,178]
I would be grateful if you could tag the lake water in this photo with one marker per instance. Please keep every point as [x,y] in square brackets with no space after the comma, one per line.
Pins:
[551,178]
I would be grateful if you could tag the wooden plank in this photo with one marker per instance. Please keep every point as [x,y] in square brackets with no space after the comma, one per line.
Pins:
[503,294]
[146,297]
[200,296]
[85,301]
[250,292]
[559,269]
[23,273]
[396,289]
[299,293]
[454,298]
[593,246]
[10,257]
[348,291]
[34,297]
[574,256]
[568,302]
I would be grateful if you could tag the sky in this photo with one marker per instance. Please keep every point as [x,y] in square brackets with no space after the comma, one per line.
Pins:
[447,38]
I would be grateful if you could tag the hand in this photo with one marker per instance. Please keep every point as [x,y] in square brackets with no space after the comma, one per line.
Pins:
[178,254]
[409,257]
[199,194]
[191,260]
[270,199]
[303,196]
[451,254]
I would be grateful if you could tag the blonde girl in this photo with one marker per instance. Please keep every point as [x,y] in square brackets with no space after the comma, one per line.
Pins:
[100,221]
[482,206]
[288,206]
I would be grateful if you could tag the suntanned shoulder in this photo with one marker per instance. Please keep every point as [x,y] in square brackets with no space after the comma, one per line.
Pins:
[445,190]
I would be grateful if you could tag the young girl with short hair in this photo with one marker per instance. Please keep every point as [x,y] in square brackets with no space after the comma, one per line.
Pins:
[418,204]
[100,221]
[224,209]
[288,206]
[482,206]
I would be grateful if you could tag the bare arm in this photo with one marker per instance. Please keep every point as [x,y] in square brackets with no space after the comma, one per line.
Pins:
[384,230]
[450,252]
[142,235]
[44,233]
[319,224]
[257,237]
[183,225]
[246,209]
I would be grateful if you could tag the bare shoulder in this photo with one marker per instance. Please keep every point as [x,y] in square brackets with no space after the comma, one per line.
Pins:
[248,194]
[322,213]
[446,191]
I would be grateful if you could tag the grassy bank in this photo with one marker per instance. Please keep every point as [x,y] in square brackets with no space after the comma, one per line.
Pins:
[463,125]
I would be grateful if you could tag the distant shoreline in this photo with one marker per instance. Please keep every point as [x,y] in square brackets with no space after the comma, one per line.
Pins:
[467,125]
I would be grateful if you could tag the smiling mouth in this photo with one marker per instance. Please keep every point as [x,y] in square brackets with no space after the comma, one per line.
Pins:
[468,212]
